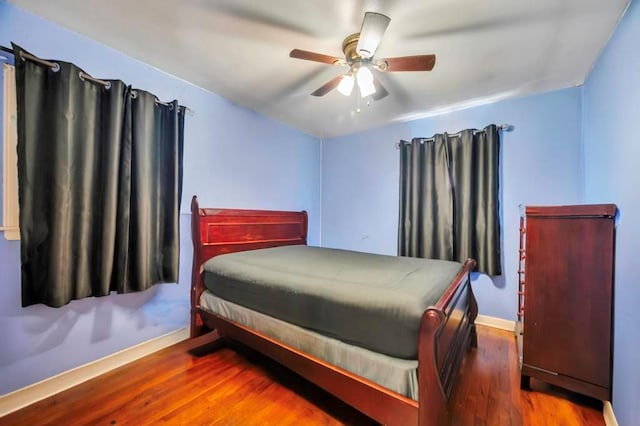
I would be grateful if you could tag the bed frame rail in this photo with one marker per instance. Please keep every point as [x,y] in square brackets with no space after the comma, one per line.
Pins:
[377,402]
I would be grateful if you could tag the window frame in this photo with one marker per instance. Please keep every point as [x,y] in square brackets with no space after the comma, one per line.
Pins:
[10,210]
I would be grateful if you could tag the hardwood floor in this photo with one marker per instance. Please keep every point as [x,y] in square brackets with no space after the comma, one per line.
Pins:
[197,382]
[488,391]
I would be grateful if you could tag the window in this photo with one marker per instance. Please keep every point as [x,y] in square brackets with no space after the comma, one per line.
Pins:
[9,156]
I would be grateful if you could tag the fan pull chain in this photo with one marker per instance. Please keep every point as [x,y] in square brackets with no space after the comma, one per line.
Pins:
[358,110]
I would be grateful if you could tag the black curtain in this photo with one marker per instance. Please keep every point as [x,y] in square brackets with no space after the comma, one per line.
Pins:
[150,190]
[99,174]
[449,198]
[423,167]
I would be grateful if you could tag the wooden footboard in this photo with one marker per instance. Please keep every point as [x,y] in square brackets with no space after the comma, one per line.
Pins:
[447,329]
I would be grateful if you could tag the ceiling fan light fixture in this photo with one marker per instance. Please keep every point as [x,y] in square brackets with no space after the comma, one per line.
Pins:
[366,89]
[365,81]
[346,84]
[360,55]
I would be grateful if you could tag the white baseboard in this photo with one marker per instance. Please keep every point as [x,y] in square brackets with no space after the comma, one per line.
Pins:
[494,322]
[608,414]
[33,393]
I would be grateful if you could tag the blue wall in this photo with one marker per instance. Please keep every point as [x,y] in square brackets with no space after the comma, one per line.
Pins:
[540,165]
[545,160]
[233,158]
[612,175]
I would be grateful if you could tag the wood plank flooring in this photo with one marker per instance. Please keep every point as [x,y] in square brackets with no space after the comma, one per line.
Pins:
[488,391]
[198,382]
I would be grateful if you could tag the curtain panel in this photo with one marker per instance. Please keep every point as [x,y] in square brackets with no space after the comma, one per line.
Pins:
[99,175]
[449,198]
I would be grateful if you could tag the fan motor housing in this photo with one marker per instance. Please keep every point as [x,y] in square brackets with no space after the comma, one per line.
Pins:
[349,45]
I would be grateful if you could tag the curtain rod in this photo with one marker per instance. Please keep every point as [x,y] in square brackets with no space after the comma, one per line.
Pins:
[53,65]
[84,76]
[503,127]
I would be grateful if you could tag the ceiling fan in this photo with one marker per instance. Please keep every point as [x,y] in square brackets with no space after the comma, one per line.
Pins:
[359,50]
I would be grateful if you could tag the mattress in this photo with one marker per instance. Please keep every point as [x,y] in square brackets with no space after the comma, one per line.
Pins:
[398,375]
[368,300]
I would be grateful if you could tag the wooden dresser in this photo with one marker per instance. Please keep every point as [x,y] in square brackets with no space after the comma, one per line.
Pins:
[568,302]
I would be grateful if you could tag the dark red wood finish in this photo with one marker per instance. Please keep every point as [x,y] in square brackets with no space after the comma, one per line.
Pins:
[581,210]
[569,297]
[220,231]
[447,329]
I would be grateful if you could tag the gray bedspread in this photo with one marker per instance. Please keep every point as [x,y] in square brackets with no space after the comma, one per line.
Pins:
[368,300]
[398,375]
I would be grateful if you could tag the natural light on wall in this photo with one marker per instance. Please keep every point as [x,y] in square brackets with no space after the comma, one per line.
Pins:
[10,157]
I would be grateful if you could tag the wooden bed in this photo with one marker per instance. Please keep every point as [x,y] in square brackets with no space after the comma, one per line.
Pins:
[447,329]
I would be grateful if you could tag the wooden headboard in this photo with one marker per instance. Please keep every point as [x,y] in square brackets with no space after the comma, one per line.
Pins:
[220,231]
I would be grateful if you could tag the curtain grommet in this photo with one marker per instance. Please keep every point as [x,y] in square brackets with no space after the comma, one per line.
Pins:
[55,67]
[108,85]
[134,94]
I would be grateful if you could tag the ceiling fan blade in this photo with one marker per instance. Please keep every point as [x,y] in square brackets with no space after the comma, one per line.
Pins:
[262,14]
[408,63]
[373,27]
[381,92]
[328,86]
[316,57]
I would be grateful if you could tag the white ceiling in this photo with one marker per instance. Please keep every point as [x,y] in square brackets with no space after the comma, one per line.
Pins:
[486,49]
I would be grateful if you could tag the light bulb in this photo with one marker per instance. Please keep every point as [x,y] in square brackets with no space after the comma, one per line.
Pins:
[346,85]
[365,82]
